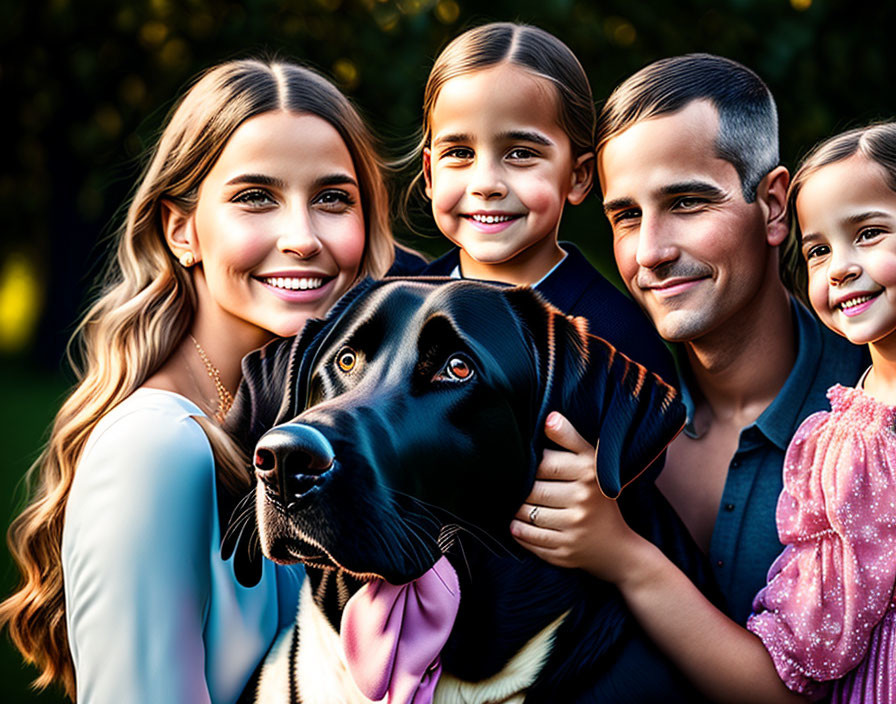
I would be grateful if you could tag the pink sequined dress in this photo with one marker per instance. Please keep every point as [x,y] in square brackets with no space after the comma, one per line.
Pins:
[827,615]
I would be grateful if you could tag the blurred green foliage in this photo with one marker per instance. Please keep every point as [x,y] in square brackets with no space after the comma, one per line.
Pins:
[87,83]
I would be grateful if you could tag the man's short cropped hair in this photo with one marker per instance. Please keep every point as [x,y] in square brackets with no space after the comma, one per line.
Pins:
[748,118]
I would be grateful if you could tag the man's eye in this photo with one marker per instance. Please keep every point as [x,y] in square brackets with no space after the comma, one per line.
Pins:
[689,203]
[457,369]
[622,216]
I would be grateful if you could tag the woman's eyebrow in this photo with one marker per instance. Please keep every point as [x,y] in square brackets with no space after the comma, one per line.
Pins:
[257,180]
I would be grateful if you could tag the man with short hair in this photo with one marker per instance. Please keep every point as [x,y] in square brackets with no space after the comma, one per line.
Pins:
[696,198]
[688,165]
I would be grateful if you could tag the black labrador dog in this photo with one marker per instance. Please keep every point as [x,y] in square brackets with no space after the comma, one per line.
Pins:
[408,427]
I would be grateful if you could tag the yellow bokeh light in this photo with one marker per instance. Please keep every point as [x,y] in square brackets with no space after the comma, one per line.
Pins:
[801,5]
[447,11]
[346,73]
[20,302]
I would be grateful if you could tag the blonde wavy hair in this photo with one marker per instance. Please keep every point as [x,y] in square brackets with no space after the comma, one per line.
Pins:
[145,307]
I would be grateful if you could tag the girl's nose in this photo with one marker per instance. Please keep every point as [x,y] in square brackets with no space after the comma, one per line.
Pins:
[842,270]
[486,181]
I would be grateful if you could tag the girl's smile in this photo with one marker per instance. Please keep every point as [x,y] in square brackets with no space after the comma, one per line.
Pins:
[847,214]
[500,169]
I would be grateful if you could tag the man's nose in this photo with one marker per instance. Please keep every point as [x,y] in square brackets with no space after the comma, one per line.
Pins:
[655,243]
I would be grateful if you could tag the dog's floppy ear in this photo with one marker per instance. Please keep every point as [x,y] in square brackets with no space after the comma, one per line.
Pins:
[269,390]
[631,411]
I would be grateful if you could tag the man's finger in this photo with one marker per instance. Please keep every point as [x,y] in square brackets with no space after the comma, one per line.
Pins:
[558,429]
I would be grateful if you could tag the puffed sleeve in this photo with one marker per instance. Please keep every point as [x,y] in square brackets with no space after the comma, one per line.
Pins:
[834,580]
[135,552]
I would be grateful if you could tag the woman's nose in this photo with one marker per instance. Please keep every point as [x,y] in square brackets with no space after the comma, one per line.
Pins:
[297,235]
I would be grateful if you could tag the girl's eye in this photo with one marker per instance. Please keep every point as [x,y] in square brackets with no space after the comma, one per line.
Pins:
[818,250]
[869,233]
[346,359]
[457,369]
[334,200]
[255,197]
[458,153]
[521,153]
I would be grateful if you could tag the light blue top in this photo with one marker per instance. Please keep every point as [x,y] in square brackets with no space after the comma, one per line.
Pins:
[153,612]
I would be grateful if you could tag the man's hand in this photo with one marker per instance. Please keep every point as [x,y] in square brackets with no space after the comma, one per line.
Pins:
[566,520]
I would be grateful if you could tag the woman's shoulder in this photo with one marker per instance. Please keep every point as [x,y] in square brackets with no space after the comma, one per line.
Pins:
[147,420]
[147,448]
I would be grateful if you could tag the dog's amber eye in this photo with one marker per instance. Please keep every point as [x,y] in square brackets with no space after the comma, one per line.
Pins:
[346,359]
[457,369]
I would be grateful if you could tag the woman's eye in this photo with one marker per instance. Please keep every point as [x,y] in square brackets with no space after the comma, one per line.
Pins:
[346,359]
[255,197]
[458,368]
[334,200]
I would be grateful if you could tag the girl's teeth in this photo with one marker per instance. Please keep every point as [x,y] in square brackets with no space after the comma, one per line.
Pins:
[852,302]
[294,284]
[491,219]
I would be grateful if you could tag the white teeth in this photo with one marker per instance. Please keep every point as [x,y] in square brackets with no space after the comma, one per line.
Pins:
[491,219]
[293,283]
[853,302]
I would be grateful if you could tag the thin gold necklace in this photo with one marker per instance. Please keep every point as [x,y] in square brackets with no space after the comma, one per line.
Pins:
[225,398]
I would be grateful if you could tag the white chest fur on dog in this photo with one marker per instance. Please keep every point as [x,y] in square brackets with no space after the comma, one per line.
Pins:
[322,676]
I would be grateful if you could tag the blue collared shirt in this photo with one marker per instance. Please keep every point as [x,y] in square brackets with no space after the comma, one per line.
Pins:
[745,537]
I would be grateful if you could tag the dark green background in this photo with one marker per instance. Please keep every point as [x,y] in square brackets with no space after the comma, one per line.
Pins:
[86,85]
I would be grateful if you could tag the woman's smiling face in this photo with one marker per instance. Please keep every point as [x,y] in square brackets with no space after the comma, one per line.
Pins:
[278,229]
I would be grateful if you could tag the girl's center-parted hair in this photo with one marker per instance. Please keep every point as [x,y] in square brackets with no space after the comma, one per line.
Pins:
[145,306]
[530,48]
[876,142]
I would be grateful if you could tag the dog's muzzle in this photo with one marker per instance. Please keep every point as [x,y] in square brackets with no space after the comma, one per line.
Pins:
[290,460]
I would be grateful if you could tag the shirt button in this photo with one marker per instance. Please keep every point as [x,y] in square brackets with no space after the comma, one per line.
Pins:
[720,563]
[729,507]
[735,464]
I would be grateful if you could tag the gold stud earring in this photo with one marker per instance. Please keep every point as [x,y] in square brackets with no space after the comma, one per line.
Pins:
[187,259]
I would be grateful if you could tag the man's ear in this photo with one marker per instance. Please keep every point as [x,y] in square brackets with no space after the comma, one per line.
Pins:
[582,178]
[772,192]
[179,229]
[427,171]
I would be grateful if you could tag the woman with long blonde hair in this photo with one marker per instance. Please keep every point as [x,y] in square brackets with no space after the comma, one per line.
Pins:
[262,203]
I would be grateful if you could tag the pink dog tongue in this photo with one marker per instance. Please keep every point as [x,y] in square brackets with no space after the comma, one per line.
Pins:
[392,635]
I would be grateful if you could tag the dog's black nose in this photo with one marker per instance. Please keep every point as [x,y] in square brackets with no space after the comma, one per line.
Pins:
[290,459]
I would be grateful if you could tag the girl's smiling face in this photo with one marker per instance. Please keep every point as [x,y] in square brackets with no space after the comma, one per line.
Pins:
[278,230]
[499,170]
[847,214]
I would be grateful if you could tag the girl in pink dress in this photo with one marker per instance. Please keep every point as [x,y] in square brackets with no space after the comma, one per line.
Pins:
[827,615]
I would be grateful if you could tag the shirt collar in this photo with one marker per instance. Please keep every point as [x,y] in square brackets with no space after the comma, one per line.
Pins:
[778,421]
[456,272]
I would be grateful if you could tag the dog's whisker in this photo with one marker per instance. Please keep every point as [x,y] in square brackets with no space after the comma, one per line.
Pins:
[484,537]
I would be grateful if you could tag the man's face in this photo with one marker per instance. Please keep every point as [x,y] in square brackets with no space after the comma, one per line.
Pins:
[691,250]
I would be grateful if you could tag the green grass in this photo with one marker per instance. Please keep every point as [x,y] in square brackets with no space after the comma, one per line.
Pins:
[29,401]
